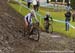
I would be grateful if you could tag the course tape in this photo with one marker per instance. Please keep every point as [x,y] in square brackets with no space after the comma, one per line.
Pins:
[60,21]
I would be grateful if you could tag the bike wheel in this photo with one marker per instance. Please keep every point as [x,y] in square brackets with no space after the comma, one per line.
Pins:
[35,34]
[51,29]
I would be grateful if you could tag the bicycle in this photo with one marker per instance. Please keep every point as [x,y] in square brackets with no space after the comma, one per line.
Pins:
[49,26]
[33,32]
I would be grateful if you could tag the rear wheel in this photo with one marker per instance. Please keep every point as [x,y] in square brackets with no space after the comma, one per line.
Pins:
[51,28]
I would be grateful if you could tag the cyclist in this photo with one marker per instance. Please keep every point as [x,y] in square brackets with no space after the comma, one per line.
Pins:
[29,3]
[28,19]
[47,18]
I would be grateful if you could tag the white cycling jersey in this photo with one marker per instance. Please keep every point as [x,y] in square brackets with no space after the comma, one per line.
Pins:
[29,17]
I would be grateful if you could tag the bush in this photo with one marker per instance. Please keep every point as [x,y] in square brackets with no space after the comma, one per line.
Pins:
[73,4]
[53,0]
[13,1]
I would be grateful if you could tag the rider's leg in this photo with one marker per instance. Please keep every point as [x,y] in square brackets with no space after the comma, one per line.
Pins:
[25,28]
[47,26]
[47,29]
[31,28]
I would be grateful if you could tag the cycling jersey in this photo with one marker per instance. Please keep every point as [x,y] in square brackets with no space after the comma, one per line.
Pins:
[28,18]
[46,18]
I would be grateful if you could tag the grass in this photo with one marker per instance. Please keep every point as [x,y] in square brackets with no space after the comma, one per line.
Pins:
[58,27]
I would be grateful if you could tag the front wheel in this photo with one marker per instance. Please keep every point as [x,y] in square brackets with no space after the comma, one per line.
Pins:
[35,35]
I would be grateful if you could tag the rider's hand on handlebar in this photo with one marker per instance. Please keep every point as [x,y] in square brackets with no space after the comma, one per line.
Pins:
[37,22]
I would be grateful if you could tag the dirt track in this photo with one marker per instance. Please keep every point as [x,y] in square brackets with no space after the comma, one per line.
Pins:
[12,41]
[47,42]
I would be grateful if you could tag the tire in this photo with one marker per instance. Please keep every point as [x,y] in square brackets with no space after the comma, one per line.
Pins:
[51,28]
[35,35]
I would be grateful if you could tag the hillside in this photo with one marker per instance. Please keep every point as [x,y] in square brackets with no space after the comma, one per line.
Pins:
[10,26]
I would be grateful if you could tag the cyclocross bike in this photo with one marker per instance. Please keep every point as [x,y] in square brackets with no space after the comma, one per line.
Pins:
[34,33]
[49,26]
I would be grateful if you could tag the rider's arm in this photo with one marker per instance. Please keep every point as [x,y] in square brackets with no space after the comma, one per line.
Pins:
[51,18]
[35,17]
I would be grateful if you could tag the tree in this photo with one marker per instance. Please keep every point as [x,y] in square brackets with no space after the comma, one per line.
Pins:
[73,4]
[53,0]
[47,1]
[60,0]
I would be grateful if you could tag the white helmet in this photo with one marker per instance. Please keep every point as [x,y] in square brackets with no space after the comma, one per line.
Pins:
[32,11]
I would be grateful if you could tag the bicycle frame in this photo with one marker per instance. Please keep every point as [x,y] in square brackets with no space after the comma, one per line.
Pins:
[34,30]
[48,26]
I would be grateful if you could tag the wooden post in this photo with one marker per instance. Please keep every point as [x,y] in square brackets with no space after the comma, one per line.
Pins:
[69,1]
[56,0]
[63,1]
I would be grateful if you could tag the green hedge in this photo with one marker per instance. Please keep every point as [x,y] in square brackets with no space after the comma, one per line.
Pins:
[58,0]
[73,4]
